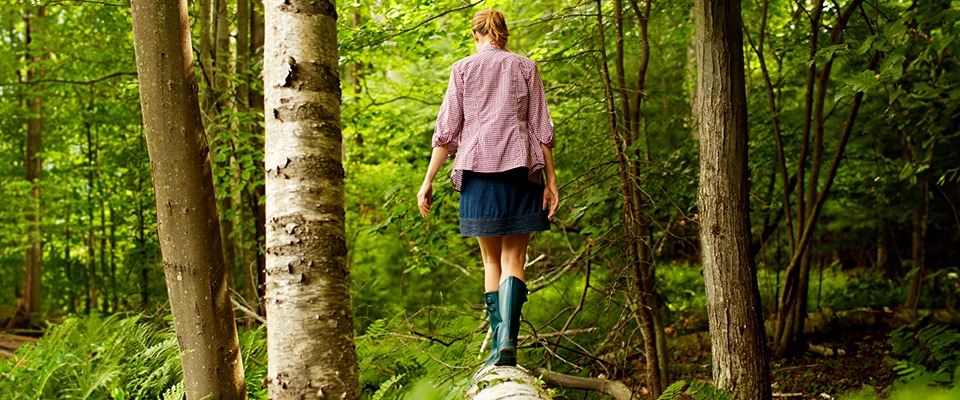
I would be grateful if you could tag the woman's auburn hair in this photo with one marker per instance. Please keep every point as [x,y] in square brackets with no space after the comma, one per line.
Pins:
[491,23]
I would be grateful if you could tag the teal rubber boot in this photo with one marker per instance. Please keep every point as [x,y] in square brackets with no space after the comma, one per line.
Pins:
[513,293]
[492,299]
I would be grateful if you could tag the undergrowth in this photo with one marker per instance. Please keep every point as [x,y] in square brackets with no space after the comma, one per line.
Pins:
[430,360]
[928,364]
[114,357]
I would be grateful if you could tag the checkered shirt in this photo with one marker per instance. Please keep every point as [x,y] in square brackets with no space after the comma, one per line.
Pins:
[495,113]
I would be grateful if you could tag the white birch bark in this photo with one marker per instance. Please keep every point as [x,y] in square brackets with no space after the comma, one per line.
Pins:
[309,320]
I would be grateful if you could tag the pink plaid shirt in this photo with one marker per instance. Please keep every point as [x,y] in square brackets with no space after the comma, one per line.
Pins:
[495,113]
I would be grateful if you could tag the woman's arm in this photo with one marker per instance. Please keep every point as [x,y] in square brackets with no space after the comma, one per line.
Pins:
[425,196]
[550,194]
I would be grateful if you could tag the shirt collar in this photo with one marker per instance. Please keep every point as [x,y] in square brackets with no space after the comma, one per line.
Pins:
[491,46]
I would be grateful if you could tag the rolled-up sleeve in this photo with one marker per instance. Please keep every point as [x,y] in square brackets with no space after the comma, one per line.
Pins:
[541,125]
[450,119]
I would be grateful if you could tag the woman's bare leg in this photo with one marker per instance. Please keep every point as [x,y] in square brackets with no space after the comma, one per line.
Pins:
[512,254]
[490,251]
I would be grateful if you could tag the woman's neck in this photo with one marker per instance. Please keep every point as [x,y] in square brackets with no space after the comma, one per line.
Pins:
[482,42]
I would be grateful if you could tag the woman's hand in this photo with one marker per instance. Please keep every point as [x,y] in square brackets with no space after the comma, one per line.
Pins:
[425,198]
[552,197]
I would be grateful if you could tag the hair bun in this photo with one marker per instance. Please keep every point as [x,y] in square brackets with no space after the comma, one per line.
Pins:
[490,22]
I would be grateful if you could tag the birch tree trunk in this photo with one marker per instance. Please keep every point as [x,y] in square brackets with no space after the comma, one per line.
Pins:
[733,298]
[499,383]
[310,346]
[187,223]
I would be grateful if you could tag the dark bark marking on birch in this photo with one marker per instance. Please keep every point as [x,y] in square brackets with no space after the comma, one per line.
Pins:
[306,111]
[312,76]
[320,235]
[325,167]
[310,7]
[328,131]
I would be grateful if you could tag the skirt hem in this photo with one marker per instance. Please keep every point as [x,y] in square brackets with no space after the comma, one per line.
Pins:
[504,226]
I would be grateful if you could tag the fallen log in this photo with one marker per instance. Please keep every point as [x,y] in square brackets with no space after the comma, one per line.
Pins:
[497,383]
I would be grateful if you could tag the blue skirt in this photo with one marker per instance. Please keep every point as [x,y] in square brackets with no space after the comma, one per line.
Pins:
[501,204]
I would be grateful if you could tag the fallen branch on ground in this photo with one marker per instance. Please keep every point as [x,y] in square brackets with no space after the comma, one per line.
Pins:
[609,387]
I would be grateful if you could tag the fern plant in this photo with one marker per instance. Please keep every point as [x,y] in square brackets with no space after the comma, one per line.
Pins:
[929,351]
[95,357]
[404,358]
[696,390]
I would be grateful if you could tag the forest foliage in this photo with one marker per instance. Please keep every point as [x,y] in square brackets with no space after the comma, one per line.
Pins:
[890,215]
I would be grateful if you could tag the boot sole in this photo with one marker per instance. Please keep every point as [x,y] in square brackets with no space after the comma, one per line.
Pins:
[508,357]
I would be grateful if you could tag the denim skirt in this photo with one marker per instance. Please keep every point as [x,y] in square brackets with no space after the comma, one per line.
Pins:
[501,204]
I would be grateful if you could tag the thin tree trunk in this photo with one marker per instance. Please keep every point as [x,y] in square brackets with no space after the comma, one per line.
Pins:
[187,223]
[775,119]
[246,283]
[34,146]
[639,262]
[104,269]
[92,280]
[113,259]
[790,293]
[223,103]
[71,287]
[918,246]
[308,282]
[142,245]
[792,306]
[733,297]
[787,314]
[254,196]
[206,54]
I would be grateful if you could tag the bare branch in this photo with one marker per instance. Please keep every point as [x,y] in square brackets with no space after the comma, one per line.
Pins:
[70,81]
[613,388]
[99,3]
[248,312]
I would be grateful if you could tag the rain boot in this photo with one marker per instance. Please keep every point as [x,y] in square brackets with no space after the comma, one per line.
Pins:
[513,293]
[492,299]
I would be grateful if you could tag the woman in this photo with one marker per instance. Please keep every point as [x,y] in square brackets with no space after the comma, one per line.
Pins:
[495,114]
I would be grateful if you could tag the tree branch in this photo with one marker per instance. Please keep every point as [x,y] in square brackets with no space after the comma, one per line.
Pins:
[609,387]
[70,81]
[248,312]
[101,3]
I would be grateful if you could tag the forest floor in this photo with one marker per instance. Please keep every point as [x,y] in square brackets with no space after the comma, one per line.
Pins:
[807,374]
[811,375]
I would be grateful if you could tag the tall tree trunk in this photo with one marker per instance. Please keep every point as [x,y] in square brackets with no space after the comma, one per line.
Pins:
[34,147]
[187,224]
[309,318]
[733,297]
